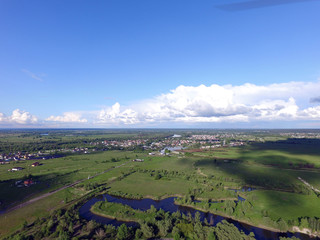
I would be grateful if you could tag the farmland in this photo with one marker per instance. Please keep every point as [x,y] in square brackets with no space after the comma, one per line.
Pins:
[198,175]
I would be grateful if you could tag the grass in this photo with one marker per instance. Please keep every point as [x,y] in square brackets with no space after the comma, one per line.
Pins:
[287,206]
[54,173]
[145,185]
[170,163]
[120,211]
[12,221]
[272,168]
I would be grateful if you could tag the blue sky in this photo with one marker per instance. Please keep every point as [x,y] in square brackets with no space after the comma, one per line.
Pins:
[158,64]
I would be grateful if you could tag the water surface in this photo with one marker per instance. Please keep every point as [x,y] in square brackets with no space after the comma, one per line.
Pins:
[169,206]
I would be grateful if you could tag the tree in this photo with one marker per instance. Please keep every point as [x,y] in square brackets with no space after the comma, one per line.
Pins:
[63,235]
[163,228]
[91,225]
[148,230]
[152,209]
[211,235]
[176,233]
[167,151]
[282,225]
[138,234]
[100,234]
[25,224]
[123,232]
[111,231]
[197,217]
[199,232]
[304,223]
[157,177]
[70,228]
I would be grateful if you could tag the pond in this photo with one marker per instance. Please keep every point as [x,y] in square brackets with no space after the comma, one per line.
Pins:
[169,206]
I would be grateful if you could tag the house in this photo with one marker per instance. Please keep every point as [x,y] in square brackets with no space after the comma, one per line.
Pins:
[35,164]
[16,169]
[137,160]
[28,182]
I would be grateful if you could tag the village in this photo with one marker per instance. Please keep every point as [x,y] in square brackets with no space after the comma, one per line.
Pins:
[155,147]
[175,142]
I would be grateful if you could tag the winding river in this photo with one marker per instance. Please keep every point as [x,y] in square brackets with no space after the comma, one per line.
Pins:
[168,205]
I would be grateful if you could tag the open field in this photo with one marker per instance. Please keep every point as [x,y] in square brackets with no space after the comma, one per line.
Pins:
[285,205]
[54,173]
[135,185]
[270,168]
[14,220]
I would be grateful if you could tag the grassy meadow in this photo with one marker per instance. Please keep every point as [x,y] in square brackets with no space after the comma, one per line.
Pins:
[54,173]
[271,168]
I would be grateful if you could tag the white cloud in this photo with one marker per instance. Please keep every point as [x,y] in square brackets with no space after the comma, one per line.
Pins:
[18,117]
[188,105]
[38,77]
[68,117]
[221,103]
[114,115]
[311,113]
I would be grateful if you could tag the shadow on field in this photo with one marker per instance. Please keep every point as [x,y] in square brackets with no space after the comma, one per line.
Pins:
[272,175]
[291,145]
[268,178]
[185,161]
[264,178]
[14,190]
[280,161]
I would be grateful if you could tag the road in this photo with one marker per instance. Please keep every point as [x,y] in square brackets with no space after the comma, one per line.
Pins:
[55,191]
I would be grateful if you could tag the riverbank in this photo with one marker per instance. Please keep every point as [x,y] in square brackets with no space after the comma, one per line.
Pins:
[156,222]
[138,208]
[230,217]
[159,198]
[293,229]
[306,231]
[95,210]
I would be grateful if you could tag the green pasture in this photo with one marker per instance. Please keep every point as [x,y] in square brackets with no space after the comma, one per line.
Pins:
[55,173]
[121,212]
[272,168]
[304,155]
[145,185]
[14,220]
[288,206]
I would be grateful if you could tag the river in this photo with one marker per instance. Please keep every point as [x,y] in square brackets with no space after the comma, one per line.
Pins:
[168,205]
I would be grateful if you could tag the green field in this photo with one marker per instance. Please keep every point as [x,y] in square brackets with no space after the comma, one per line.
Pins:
[54,173]
[279,200]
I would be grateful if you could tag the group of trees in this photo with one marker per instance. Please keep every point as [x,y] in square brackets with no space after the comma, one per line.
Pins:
[244,209]
[312,223]
[160,224]
[210,182]
[67,224]
[41,145]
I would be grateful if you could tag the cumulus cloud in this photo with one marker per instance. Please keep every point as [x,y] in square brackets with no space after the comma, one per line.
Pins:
[114,115]
[18,117]
[2,117]
[311,113]
[68,117]
[221,103]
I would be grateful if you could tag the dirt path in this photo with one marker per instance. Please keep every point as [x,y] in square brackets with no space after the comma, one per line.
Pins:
[55,191]
[201,173]
[309,185]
